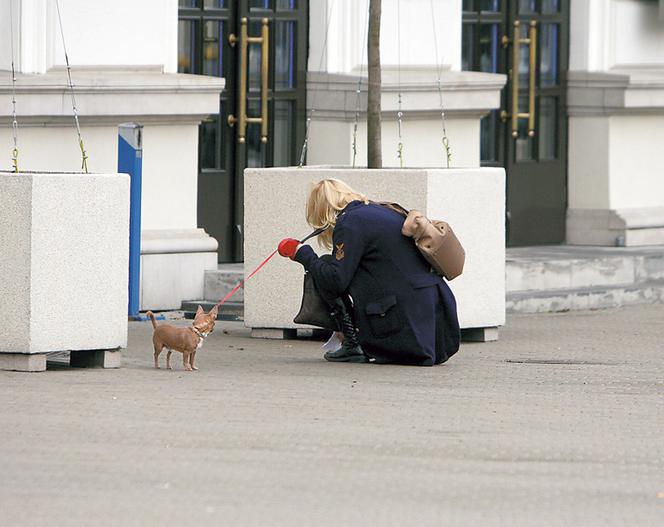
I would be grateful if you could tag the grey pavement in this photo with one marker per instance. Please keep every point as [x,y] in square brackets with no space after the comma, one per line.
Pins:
[560,423]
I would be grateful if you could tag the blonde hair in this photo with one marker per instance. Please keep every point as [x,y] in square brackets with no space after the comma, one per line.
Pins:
[326,199]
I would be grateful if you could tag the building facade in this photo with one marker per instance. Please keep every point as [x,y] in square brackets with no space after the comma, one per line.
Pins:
[595,100]
[574,112]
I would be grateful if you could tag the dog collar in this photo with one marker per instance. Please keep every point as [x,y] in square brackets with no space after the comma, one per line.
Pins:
[198,332]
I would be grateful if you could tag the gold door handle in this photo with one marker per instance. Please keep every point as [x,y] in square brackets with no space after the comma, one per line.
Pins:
[516,59]
[243,119]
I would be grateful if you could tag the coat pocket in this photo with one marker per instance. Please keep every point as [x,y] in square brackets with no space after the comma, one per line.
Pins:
[384,317]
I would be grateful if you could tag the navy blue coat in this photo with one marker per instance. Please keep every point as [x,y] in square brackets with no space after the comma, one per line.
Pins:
[404,312]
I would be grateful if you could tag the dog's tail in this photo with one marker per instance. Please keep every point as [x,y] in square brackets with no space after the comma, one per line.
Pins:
[154,320]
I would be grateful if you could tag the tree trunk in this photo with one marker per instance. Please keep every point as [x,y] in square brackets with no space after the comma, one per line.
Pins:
[374,144]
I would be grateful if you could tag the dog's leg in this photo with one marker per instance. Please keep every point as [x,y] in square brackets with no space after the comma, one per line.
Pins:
[157,350]
[168,359]
[191,360]
[185,360]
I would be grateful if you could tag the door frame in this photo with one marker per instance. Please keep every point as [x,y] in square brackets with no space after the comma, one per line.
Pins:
[551,231]
[221,212]
[296,95]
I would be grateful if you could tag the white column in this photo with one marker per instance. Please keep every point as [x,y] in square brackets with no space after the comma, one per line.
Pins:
[117,35]
[347,23]
[616,122]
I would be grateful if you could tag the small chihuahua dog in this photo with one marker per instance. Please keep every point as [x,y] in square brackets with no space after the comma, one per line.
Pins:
[185,340]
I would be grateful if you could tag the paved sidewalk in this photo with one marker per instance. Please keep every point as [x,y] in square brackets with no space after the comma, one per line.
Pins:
[560,423]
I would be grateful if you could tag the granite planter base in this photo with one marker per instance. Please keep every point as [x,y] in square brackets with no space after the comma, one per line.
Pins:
[472,200]
[63,268]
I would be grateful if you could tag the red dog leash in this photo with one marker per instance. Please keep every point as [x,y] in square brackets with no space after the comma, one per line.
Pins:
[221,302]
[235,289]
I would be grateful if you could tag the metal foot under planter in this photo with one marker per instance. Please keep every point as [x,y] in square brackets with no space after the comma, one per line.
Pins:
[471,200]
[63,266]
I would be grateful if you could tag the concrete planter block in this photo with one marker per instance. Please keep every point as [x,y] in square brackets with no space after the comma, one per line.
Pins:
[472,200]
[63,263]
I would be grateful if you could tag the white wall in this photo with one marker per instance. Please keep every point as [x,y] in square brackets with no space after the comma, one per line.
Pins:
[5,31]
[588,174]
[97,33]
[345,51]
[170,177]
[421,138]
[606,34]
[624,170]
[637,171]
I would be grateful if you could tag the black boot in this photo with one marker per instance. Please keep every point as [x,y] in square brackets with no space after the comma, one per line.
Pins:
[350,350]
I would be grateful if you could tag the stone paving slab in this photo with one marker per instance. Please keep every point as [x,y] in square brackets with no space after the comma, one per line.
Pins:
[559,423]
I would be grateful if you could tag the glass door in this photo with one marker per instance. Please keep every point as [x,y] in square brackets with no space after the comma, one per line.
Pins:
[528,41]
[260,48]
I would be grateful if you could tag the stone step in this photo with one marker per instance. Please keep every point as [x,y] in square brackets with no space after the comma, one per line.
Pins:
[538,280]
[221,281]
[595,297]
[569,267]
[233,311]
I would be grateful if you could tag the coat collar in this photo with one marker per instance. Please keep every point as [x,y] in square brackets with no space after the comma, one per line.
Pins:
[352,205]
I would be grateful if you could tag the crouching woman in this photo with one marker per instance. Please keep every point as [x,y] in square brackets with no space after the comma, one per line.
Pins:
[396,309]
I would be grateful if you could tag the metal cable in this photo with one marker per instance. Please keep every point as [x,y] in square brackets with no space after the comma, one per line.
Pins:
[14,120]
[446,141]
[359,83]
[84,164]
[399,112]
[305,145]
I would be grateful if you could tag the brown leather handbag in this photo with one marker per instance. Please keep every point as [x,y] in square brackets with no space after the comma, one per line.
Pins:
[314,311]
[435,239]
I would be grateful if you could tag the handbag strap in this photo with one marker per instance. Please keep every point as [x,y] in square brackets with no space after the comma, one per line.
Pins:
[393,206]
[315,233]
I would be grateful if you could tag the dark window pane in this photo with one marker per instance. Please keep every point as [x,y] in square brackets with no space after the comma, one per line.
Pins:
[284,133]
[213,48]
[467,47]
[188,3]
[550,6]
[209,142]
[255,149]
[284,65]
[469,5]
[489,48]
[524,57]
[527,7]
[490,5]
[255,52]
[259,4]
[285,4]
[549,54]
[187,62]
[214,4]
[548,127]
[488,136]
[524,144]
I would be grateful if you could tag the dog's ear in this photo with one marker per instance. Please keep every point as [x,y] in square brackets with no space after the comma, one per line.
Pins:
[200,311]
[214,311]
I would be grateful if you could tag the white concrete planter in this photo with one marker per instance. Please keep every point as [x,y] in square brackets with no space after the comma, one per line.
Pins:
[472,200]
[63,268]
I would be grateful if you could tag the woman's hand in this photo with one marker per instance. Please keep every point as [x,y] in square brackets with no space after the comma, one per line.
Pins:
[288,247]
